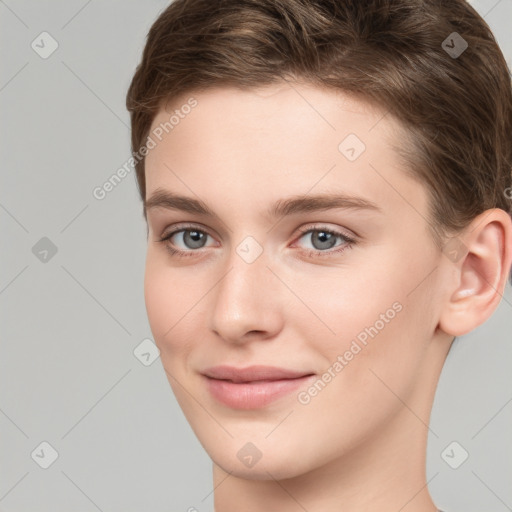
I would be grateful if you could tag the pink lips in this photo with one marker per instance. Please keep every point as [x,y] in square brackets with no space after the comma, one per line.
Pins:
[252,387]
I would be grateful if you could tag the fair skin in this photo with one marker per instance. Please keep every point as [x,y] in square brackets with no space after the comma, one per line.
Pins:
[359,444]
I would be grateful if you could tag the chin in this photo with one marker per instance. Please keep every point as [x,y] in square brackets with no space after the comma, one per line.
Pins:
[280,459]
[275,468]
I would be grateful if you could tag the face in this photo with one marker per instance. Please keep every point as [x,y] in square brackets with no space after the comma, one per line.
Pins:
[290,288]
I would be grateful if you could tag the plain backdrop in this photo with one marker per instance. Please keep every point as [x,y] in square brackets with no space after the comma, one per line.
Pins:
[86,423]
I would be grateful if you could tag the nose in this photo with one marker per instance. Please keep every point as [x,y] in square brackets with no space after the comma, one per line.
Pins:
[247,301]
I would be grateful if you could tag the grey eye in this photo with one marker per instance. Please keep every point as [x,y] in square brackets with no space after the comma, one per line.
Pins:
[193,238]
[323,239]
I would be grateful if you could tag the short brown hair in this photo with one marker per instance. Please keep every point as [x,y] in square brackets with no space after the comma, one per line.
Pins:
[456,110]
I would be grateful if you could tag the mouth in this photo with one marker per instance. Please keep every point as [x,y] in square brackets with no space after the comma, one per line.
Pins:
[252,387]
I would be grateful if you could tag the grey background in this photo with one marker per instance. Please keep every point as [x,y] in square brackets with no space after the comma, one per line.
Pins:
[70,324]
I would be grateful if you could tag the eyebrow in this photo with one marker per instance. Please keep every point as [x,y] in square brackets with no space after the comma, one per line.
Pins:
[293,205]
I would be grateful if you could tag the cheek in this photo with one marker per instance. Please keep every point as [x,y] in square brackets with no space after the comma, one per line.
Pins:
[166,301]
[368,365]
[158,297]
[176,309]
[377,331]
[345,307]
[166,311]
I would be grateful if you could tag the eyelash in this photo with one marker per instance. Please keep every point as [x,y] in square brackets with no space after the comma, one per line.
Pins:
[350,242]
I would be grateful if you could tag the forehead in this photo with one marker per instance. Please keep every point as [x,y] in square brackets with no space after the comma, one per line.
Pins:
[282,101]
[276,140]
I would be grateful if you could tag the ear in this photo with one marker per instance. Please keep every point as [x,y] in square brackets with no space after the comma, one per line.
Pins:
[481,257]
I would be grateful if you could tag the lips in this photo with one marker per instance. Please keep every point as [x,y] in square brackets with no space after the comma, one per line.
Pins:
[252,387]
[252,373]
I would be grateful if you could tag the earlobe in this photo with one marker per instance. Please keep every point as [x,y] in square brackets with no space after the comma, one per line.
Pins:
[480,275]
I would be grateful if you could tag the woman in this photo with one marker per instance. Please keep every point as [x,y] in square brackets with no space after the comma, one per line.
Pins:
[327,190]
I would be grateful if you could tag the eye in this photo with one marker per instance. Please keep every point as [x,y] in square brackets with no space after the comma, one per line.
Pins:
[322,239]
[191,238]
